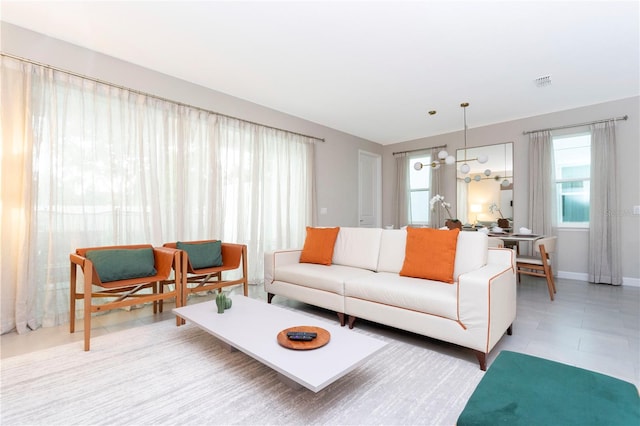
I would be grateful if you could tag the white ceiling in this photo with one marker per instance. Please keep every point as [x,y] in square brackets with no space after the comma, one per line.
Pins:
[369,68]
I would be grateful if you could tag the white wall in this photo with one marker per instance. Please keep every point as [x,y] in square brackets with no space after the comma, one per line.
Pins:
[336,158]
[573,244]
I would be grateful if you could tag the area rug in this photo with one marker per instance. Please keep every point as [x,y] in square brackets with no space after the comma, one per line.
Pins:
[521,389]
[162,374]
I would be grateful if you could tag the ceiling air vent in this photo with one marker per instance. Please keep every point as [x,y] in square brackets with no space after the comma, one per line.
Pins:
[543,81]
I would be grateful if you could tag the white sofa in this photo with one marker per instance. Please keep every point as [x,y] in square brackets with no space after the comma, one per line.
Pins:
[363,281]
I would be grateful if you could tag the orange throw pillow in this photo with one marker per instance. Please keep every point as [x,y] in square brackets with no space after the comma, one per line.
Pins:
[318,245]
[430,254]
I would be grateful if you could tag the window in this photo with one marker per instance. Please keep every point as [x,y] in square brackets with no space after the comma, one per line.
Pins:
[572,167]
[109,167]
[419,193]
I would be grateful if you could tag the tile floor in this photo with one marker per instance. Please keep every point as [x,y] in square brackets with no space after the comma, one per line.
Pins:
[596,327]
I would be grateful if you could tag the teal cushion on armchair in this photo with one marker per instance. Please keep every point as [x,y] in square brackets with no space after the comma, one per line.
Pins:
[122,264]
[203,255]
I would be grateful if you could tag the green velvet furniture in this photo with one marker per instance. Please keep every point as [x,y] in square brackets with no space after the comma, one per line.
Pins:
[520,389]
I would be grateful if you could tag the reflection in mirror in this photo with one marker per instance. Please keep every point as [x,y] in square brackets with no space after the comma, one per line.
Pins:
[485,194]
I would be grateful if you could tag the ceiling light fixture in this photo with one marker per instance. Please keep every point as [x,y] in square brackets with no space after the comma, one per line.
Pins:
[465,168]
[445,158]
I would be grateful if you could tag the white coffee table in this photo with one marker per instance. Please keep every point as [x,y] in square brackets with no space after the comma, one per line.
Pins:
[252,326]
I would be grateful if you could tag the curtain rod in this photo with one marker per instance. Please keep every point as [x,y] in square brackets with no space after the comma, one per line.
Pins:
[420,149]
[160,98]
[576,125]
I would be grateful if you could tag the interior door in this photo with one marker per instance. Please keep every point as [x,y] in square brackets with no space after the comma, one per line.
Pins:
[369,189]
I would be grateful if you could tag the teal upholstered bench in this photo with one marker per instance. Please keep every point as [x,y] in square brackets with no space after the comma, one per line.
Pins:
[521,389]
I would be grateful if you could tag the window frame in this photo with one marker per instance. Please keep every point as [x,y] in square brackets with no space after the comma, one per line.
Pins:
[425,159]
[558,181]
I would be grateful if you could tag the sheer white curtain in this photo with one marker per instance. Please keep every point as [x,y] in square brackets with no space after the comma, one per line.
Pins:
[605,263]
[542,212]
[264,193]
[87,164]
[17,227]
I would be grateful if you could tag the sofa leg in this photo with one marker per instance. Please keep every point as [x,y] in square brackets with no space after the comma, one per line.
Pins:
[482,359]
[510,330]
[341,318]
[352,320]
[269,297]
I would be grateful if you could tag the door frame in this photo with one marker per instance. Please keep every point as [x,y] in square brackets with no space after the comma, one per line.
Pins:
[377,186]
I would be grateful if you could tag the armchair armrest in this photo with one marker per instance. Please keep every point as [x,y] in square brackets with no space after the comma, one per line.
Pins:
[166,260]
[231,255]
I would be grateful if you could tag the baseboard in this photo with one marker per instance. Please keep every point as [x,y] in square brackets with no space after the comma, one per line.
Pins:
[628,281]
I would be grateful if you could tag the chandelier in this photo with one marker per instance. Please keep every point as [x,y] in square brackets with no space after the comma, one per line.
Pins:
[445,158]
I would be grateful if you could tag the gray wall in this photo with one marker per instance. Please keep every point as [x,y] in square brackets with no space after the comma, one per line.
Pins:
[336,158]
[573,243]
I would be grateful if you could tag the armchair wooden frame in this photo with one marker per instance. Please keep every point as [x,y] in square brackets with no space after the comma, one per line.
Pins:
[193,280]
[122,292]
[539,266]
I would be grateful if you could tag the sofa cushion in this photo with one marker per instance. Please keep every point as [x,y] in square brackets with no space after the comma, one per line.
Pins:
[321,277]
[122,264]
[319,245]
[392,246]
[358,247]
[471,253]
[416,294]
[430,254]
[202,255]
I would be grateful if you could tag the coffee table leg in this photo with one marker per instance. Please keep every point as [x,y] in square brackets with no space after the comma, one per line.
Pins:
[291,383]
[228,346]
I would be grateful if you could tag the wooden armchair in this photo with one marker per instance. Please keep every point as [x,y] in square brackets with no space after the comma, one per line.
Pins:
[123,273]
[201,275]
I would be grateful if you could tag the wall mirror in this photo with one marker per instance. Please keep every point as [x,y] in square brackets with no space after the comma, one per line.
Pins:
[485,193]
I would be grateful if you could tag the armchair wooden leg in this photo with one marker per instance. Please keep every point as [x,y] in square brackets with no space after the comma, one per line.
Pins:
[72,301]
[88,274]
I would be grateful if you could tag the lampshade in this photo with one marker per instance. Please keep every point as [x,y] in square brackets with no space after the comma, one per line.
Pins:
[465,168]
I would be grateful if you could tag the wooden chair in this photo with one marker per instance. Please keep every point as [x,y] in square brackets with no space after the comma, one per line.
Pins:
[125,273]
[199,279]
[539,266]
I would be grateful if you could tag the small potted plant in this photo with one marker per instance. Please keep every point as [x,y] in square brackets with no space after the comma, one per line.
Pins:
[502,222]
[450,223]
